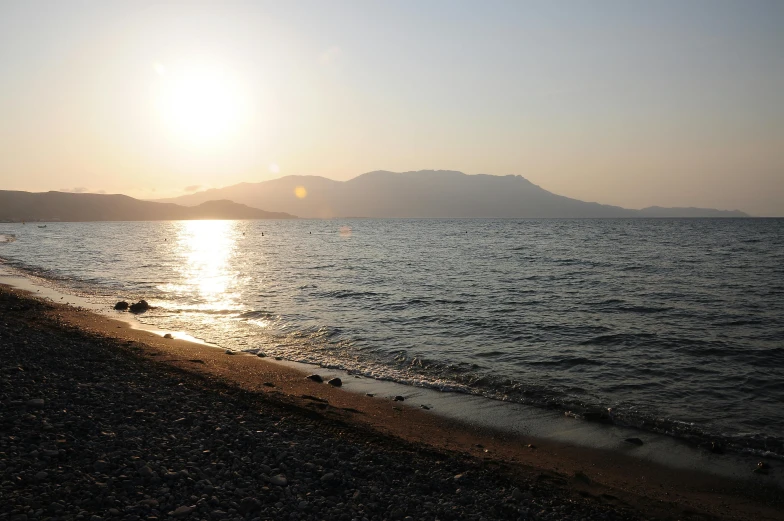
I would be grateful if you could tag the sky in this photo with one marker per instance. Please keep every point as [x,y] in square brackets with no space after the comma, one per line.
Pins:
[627,102]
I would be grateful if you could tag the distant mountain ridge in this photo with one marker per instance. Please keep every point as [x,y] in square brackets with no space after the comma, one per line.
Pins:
[62,206]
[425,193]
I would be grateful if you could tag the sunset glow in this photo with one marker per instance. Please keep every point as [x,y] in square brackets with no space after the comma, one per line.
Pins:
[200,104]
[672,105]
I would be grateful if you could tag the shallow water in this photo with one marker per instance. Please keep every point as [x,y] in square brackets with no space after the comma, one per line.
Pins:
[676,325]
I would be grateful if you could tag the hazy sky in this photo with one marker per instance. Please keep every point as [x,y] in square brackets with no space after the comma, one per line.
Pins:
[625,102]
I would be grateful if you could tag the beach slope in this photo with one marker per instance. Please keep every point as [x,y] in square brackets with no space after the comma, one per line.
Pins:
[102,421]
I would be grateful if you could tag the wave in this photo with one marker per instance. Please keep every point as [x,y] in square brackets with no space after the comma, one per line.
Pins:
[474,379]
[256,314]
[741,322]
[567,362]
[634,268]
[7,237]
[618,339]
[346,293]
[643,309]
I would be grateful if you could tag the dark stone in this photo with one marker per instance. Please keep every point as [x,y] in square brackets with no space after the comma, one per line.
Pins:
[716,448]
[336,382]
[139,307]
[329,479]
[316,378]
[314,398]
[121,306]
[634,441]
[398,398]
[35,403]
[249,504]
[168,335]
[278,480]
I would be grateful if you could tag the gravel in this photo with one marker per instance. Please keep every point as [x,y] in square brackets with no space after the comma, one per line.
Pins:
[92,431]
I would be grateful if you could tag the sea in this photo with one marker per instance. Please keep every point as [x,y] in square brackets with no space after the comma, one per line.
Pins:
[668,325]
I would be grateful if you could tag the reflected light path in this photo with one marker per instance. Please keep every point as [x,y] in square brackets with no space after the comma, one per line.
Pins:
[205,249]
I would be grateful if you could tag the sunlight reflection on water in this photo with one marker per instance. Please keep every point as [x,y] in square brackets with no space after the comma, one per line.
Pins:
[205,248]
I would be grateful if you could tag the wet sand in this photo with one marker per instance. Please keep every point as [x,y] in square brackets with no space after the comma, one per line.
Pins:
[603,479]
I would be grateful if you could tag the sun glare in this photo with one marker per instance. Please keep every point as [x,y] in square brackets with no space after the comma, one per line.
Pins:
[200,104]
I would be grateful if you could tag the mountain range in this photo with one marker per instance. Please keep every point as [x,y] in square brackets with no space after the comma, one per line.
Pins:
[62,206]
[426,193]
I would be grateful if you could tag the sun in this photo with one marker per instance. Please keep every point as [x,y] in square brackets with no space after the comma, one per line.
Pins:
[200,103]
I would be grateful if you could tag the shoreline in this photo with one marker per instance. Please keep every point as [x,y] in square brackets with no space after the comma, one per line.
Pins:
[694,405]
[509,419]
[589,472]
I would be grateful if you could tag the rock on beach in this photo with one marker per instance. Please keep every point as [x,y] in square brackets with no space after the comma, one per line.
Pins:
[139,307]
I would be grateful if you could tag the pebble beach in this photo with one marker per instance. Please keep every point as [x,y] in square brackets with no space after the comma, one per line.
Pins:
[92,428]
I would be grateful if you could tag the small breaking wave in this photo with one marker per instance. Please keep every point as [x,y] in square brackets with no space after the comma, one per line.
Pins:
[345,293]
[567,362]
[618,339]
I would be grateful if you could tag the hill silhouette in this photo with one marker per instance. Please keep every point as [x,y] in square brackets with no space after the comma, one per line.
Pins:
[62,206]
[426,193]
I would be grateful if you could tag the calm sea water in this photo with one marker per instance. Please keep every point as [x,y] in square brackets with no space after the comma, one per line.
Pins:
[676,325]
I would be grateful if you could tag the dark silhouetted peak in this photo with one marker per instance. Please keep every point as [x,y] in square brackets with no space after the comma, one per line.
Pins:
[66,206]
[423,193]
